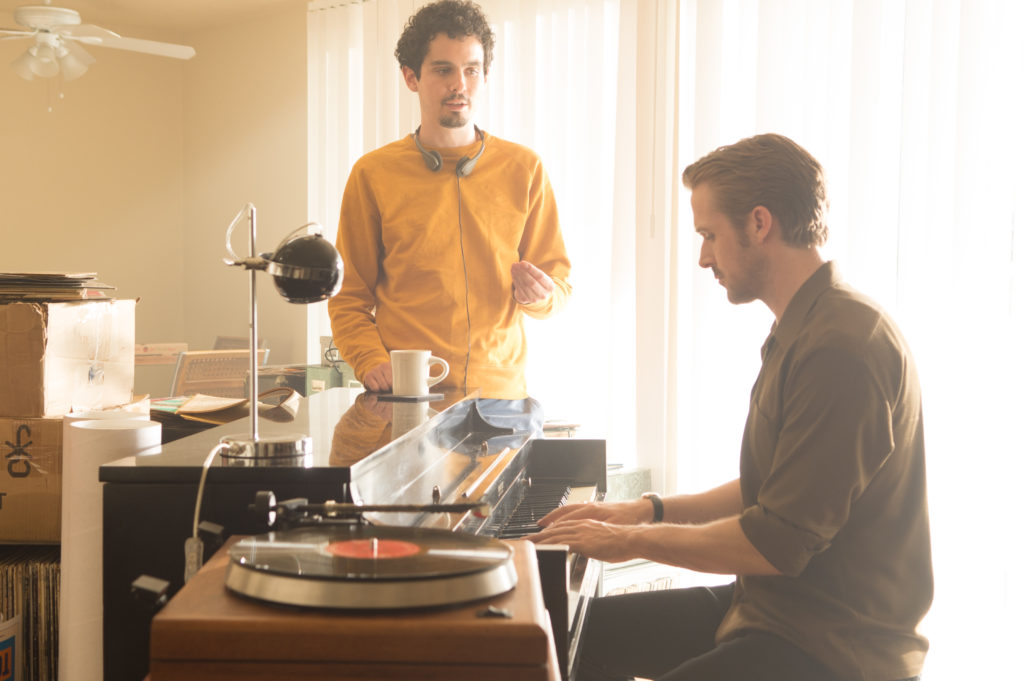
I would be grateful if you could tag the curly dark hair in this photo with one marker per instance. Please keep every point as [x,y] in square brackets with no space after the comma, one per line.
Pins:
[456,18]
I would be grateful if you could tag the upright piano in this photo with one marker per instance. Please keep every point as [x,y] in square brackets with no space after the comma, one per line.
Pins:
[363,451]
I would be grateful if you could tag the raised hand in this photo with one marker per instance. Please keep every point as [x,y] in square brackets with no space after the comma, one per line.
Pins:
[530,284]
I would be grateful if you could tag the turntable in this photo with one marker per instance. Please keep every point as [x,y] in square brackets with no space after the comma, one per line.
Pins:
[327,556]
[356,566]
[347,600]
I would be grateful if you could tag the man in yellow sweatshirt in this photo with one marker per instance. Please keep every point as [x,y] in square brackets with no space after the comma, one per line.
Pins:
[449,235]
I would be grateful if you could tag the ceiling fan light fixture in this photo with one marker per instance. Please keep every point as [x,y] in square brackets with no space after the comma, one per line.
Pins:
[44,52]
[45,69]
[71,67]
[43,61]
[58,32]
[23,65]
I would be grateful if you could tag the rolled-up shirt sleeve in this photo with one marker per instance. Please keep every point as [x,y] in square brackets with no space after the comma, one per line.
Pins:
[816,460]
[786,546]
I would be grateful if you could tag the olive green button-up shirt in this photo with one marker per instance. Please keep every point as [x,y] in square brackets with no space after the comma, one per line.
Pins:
[832,473]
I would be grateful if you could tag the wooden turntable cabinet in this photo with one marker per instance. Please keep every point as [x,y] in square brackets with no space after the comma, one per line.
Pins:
[205,632]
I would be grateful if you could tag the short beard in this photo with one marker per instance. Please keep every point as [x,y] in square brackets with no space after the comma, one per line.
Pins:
[751,286]
[455,120]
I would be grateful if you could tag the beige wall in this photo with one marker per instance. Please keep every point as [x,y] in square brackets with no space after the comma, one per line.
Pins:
[140,166]
[96,183]
[245,141]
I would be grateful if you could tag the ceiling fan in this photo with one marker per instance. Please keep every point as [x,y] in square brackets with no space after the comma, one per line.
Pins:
[57,33]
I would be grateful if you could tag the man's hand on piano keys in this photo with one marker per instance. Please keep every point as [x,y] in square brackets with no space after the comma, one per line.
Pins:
[620,513]
[591,538]
[597,530]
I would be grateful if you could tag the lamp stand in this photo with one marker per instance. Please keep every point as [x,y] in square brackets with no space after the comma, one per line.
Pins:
[253,447]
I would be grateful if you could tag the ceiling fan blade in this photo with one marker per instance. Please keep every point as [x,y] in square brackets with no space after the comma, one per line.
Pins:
[15,33]
[149,47]
[87,33]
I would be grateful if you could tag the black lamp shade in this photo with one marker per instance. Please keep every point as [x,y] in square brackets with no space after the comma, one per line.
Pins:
[306,269]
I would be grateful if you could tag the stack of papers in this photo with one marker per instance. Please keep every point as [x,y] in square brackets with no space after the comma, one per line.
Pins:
[50,286]
[276,404]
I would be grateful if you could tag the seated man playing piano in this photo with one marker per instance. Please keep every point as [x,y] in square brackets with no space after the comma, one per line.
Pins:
[826,528]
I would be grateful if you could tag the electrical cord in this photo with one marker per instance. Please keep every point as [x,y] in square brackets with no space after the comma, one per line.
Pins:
[333,357]
[194,545]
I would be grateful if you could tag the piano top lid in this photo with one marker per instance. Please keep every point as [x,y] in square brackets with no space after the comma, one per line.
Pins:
[434,465]
[346,425]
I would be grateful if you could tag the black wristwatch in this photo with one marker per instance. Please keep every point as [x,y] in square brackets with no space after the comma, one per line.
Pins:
[659,507]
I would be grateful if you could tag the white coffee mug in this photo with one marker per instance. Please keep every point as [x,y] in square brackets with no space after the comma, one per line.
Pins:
[410,372]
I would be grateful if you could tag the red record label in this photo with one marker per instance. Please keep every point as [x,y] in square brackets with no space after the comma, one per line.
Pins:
[372,548]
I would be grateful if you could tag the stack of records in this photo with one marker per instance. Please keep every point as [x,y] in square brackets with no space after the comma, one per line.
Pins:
[51,286]
[29,588]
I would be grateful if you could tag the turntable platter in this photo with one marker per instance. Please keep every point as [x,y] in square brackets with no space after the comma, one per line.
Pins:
[369,567]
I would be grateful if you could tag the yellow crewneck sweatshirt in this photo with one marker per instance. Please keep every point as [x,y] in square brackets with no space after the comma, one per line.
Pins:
[428,259]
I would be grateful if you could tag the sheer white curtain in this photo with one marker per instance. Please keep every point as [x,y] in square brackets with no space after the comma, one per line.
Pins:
[553,86]
[913,107]
[355,105]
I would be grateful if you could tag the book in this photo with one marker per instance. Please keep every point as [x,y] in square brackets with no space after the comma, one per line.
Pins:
[277,404]
[10,648]
[51,286]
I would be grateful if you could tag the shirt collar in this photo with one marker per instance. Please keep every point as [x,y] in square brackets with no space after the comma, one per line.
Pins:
[786,329]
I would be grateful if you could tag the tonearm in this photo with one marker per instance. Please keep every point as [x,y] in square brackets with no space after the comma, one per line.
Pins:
[299,512]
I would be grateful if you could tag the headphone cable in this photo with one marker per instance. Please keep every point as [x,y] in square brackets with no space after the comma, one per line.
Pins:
[465,275]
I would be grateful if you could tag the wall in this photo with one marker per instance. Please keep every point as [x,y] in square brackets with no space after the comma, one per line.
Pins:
[140,166]
[95,185]
[245,141]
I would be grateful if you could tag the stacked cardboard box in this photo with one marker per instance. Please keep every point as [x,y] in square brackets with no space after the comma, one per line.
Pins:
[54,358]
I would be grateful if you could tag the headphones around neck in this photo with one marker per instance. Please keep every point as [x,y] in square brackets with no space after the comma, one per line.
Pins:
[463,167]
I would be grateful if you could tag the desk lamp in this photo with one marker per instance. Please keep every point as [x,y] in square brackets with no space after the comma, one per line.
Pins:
[306,269]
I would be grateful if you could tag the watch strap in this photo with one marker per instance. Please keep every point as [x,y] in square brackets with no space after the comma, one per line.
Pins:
[659,506]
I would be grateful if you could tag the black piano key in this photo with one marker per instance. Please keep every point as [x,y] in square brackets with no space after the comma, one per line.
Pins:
[539,499]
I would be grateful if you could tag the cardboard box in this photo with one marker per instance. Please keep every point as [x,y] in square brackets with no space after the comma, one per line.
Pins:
[59,357]
[30,480]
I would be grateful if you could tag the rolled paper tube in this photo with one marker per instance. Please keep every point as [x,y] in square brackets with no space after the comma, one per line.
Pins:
[87,445]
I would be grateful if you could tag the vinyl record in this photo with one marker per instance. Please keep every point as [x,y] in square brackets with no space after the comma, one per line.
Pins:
[362,552]
[361,566]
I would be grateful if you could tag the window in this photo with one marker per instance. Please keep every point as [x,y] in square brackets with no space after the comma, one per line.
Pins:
[913,108]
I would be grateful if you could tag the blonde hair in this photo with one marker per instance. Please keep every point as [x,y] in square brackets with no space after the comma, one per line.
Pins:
[772,171]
